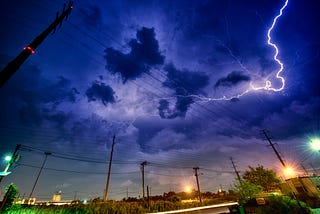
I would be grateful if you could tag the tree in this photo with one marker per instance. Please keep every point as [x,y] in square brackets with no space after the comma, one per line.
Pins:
[247,191]
[284,204]
[11,193]
[265,178]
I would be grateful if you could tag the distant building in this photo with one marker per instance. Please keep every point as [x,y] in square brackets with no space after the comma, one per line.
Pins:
[56,200]
[30,201]
[57,197]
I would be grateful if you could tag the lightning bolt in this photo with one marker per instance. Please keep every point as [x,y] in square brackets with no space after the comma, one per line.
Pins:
[267,84]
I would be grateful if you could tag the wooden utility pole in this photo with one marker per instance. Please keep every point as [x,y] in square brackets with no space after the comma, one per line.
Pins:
[236,171]
[75,195]
[105,196]
[43,163]
[274,149]
[15,64]
[142,172]
[6,197]
[127,193]
[284,165]
[148,196]
[197,179]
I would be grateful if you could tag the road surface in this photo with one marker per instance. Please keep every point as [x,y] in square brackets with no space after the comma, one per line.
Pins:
[213,209]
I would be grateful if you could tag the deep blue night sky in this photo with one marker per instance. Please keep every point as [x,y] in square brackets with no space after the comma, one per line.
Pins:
[152,73]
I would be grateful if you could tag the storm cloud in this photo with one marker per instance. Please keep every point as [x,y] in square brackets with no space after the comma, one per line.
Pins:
[232,79]
[184,83]
[144,54]
[102,92]
[92,16]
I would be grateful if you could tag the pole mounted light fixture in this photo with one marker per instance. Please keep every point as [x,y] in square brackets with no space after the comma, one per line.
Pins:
[315,144]
[8,158]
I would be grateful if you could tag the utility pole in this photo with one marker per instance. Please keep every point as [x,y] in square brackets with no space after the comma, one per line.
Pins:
[304,169]
[315,171]
[274,149]
[236,171]
[283,164]
[105,196]
[14,65]
[142,172]
[75,195]
[43,163]
[148,196]
[6,197]
[127,193]
[14,158]
[197,175]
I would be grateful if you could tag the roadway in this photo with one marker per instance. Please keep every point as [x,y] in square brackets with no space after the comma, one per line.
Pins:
[213,209]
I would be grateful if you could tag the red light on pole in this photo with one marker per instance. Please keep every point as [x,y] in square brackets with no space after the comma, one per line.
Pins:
[29,49]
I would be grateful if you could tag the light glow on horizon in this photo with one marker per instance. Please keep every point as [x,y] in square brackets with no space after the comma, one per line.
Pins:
[188,189]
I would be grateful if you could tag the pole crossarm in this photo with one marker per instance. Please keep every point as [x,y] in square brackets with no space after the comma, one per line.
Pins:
[15,64]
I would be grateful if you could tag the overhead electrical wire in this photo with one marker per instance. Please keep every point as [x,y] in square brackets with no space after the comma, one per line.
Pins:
[239,119]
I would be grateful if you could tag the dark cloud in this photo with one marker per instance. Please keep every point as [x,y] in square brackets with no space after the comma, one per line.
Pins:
[144,54]
[164,109]
[184,83]
[295,118]
[60,92]
[92,16]
[33,99]
[233,78]
[59,117]
[102,92]
[308,60]
[30,114]
[201,20]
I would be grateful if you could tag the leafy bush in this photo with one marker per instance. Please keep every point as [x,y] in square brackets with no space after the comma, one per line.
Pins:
[284,204]
[110,207]
[11,193]
[247,191]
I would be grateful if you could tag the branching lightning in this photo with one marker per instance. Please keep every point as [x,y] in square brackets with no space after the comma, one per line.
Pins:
[267,83]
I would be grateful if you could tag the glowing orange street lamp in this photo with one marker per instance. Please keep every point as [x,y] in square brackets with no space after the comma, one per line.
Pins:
[289,172]
[187,189]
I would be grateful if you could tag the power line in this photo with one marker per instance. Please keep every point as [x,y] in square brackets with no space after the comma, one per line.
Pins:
[118,42]
[71,157]
[77,172]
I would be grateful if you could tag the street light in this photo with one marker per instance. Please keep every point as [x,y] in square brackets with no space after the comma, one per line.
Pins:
[315,144]
[8,158]
[188,189]
[289,172]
